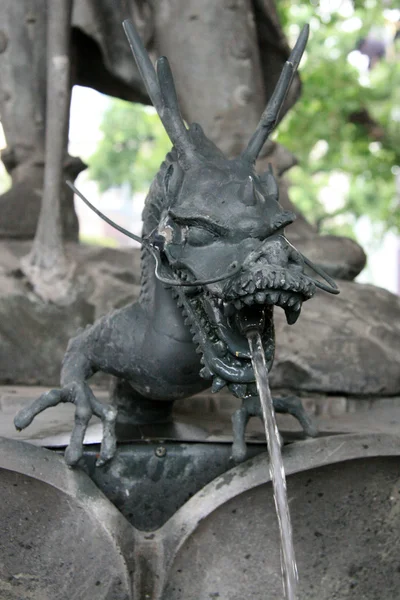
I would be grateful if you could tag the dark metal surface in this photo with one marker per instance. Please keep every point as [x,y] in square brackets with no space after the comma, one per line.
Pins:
[149,482]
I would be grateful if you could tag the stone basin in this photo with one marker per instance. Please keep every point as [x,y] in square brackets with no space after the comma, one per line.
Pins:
[62,539]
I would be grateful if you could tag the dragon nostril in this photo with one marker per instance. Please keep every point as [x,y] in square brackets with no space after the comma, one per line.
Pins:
[295,265]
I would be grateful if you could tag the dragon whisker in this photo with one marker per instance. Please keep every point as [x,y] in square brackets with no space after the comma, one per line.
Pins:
[233,268]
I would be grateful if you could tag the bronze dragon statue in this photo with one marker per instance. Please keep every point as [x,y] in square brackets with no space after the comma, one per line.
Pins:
[213,248]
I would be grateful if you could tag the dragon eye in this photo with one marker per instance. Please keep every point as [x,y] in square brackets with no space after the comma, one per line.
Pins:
[171,231]
[199,236]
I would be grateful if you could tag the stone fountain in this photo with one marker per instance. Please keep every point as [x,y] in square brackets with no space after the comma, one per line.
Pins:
[172,516]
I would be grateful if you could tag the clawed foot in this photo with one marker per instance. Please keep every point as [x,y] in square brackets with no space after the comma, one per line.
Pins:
[292,405]
[86,405]
[251,408]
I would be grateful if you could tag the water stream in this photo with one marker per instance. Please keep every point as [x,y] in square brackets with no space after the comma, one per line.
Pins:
[288,560]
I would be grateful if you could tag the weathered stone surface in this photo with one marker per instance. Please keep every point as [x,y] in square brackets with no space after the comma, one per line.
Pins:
[347,344]
[340,257]
[17,221]
[113,276]
[34,335]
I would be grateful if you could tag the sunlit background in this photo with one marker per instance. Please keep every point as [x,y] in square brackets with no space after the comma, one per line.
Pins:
[334,181]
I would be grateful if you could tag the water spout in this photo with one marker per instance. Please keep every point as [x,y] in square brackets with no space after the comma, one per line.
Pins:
[252,327]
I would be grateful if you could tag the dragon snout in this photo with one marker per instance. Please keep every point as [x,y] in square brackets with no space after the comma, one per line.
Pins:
[274,252]
[264,277]
[272,273]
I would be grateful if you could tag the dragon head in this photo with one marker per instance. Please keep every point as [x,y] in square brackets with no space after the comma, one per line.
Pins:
[223,246]
[220,241]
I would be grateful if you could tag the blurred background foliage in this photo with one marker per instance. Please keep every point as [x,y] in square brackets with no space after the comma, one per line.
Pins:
[133,146]
[344,130]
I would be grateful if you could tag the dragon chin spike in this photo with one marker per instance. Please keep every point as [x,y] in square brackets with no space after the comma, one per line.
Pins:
[271,113]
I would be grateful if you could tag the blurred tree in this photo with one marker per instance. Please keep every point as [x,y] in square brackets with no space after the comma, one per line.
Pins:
[345,130]
[133,146]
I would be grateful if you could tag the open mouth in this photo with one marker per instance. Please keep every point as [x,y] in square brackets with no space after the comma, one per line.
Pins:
[215,321]
[277,287]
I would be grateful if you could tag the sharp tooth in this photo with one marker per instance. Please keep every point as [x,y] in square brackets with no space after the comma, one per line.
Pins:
[228,309]
[284,298]
[274,296]
[296,286]
[205,373]
[260,297]
[251,286]
[238,304]
[309,289]
[259,280]
[217,385]
[292,301]
[291,316]
[297,306]
[219,348]
[249,300]
[268,298]
[267,282]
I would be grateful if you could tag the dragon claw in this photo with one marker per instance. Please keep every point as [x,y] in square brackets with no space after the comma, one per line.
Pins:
[86,405]
[251,408]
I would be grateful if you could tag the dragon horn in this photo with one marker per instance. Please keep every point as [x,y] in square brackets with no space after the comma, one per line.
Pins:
[271,113]
[161,90]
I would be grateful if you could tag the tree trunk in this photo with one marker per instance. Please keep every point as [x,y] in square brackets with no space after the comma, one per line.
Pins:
[23,114]
[47,267]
